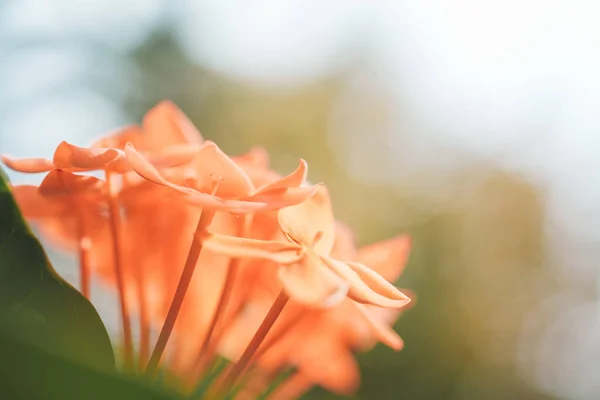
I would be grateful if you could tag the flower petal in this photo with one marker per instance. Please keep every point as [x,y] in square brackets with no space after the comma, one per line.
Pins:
[295,179]
[119,138]
[311,283]
[293,387]
[388,258]
[28,165]
[34,206]
[344,247]
[311,219]
[173,156]
[143,167]
[237,247]
[360,291]
[166,125]
[146,170]
[74,158]
[211,165]
[384,333]
[59,182]
[278,198]
[377,283]
[339,374]
[256,157]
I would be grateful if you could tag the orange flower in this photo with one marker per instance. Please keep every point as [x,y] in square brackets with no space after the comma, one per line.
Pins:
[213,180]
[64,203]
[163,127]
[303,338]
[307,272]
[166,135]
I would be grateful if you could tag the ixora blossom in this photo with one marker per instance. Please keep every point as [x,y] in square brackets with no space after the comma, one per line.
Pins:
[214,182]
[295,340]
[223,254]
[308,274]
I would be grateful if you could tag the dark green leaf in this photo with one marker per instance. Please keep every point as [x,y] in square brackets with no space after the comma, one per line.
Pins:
[36,305]
[27,372]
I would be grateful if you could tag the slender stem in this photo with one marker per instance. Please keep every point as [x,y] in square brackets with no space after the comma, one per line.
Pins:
[259,336]
[244,292]
[204,359]
[115,225]
[279,334]
[276,335]
[144,351]
[83,249]
[84,268]
[83,245]
[186,277]
[232,270]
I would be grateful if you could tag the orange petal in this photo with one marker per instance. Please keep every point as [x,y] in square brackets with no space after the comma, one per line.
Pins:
[344,247]
[119,138]
[232,246]
[212,165]
[59,182]
[29,165]
[166,125]
[33,205]
[173,156]
[293,387]
[376,282]
[257,157]
[384,333]
[284,197]
[310,283]
[74,158]
[339,374]
[147,171]
[388,258]
[360,291]
[295,179]
[311,219]
[143,167]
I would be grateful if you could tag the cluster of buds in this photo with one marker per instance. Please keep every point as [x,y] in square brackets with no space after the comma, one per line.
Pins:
[220,256]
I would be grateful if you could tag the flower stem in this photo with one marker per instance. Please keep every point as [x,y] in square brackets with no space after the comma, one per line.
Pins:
[144,350]
[276,336]
[184,282]
[83,249]
[219,310]
[232,269]
[115,225]
[259,336]
[84,269]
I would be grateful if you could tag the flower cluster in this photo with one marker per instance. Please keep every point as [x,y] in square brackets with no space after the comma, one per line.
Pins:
[220,255]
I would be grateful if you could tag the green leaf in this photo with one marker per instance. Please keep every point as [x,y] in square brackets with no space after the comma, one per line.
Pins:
[36,305]
[27,372]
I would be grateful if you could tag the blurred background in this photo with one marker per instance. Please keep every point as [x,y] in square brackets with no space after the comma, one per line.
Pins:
[472,125]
